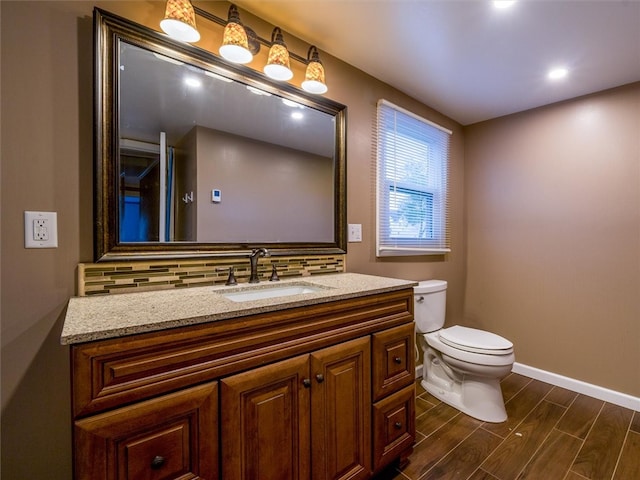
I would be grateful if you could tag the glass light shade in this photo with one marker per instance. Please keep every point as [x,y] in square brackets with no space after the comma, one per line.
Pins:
[277,66]
[180,21]
[235,45]
[314,78]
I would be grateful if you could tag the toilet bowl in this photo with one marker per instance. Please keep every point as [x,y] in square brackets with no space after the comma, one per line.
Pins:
[462,366]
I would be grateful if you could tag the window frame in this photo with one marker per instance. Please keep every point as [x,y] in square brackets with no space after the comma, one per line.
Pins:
[435,158]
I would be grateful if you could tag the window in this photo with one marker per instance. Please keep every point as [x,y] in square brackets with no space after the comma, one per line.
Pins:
[412,194]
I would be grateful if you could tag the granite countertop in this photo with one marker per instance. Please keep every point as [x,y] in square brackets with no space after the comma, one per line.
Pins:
[111,316]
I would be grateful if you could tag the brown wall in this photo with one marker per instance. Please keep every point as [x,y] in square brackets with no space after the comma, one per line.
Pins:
[542,271]
[269,193]
[553,225]
[47,160]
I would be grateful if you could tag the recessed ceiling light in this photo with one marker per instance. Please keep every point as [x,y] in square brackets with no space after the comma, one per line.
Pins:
[503,3]
[557,73]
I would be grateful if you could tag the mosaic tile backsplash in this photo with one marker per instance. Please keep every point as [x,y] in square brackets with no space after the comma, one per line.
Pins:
[127,277]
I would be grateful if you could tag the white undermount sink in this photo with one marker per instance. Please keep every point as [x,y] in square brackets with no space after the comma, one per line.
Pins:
[264,292]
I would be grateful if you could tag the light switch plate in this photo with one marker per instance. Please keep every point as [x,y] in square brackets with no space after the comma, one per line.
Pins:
[355,232]
[40,230]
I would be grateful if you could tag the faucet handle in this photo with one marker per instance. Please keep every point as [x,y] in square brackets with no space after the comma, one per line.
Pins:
[231,279]
[274,274]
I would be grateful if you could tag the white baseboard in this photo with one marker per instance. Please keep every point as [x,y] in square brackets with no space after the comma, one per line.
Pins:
[601,393]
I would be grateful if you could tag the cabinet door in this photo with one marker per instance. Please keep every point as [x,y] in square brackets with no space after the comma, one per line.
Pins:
[265,422]
[170,437]
[341,411]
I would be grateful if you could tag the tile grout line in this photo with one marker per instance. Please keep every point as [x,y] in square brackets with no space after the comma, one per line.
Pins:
[515,427]
[624,442]
[566,409]
[454,447]
[595,420]
[582,440]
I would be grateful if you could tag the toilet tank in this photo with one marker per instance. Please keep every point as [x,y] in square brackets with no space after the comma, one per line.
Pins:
[430,299]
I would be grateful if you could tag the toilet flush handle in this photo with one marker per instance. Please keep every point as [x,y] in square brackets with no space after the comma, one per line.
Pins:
[420,299]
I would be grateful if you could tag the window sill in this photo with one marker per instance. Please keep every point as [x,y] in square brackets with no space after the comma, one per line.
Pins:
[408,251]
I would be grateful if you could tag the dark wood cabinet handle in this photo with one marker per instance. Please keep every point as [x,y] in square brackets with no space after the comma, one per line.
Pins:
[157,462]
[306,382]
[398,425]
[398,360]
[320,378]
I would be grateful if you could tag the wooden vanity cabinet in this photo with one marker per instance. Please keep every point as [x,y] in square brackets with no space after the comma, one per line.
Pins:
[271,412]
[315,392]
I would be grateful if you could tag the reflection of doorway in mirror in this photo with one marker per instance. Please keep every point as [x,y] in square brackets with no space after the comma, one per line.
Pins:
[142,211]
[139,190]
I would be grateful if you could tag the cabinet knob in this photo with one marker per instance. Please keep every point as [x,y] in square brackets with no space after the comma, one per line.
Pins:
[320,378]
[306,382]
[398,360]
[398,425]
[157,462]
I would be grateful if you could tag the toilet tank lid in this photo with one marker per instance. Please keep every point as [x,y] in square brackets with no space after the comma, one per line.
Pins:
[430,286]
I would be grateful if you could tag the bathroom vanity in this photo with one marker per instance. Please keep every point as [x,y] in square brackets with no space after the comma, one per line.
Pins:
[317,383]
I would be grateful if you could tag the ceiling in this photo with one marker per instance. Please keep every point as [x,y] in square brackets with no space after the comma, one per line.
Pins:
[467,59]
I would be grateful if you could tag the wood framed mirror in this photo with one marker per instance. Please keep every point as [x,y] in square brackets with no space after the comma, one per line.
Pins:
[198,157]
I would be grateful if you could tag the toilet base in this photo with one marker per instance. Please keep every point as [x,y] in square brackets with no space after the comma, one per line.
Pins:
[478,399]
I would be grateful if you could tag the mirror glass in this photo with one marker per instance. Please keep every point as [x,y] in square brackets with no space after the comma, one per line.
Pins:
[200,157]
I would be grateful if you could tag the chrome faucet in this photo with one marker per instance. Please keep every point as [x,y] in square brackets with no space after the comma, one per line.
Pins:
[256,253]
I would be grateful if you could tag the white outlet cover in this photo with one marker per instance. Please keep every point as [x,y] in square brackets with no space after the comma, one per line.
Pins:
[47,236]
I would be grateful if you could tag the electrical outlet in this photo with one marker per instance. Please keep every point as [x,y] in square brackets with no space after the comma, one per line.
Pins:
[40,230]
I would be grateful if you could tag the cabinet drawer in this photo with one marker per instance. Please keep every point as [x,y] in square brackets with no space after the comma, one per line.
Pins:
[393,360]
[393,426]
[174,436]
[110,373]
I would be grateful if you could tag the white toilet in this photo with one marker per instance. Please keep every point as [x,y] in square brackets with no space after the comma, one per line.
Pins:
[462,366]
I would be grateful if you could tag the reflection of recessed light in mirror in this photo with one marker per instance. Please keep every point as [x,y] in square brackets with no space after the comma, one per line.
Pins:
[291,103]
[167,59]
[193,82]
[297,115]
[501,4]
[257,91]
[557,73]
[217,77]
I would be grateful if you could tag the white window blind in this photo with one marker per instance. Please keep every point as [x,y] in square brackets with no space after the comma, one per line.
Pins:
[412,183]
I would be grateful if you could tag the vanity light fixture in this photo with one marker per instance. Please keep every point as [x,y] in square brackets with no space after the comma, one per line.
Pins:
[314,77]
[238,43]
[179,21]
[277,66]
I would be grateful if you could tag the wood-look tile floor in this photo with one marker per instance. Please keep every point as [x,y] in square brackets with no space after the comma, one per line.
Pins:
[551,434]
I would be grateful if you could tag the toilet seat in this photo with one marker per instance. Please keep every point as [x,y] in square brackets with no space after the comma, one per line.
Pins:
[475,341]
